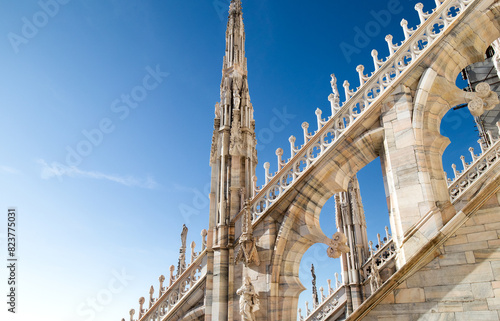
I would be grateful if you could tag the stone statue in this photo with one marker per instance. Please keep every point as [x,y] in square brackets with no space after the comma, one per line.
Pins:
[181,266]
[249,300]
[247,252]
[333,82]
[217,110]
[375,279]
[184,235]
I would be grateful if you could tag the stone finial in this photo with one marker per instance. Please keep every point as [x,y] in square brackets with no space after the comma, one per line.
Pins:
[203,239]
[490,136]
[141,305]
[266,168]
[162,289]
[390,44]
[471,150]
[151,299]
[375,59]
[254,186]
[322,294]
[420,9]
[406,31]
[318,113]
[347,91]
[132,312]
[455,172]
[193,253]
[438,3]
[334,103]
[301,318]
[481,145]
[330,290]
[360,69]
[307,309]
[279,154]
[172,276]
[292,145]
[387,233]
[337,245]
[464,163]
[305,126]
[370,244]
[336,280]
[379,240]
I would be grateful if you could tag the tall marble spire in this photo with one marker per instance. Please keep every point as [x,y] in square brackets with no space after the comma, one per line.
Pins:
[233,159]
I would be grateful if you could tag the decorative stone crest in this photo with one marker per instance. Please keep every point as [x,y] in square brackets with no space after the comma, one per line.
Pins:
[482,99]
[249,300]
[337,245]
[247,251]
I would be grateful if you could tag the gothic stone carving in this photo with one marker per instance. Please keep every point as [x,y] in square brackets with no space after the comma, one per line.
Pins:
[337,245]
[249,300]
[247,252]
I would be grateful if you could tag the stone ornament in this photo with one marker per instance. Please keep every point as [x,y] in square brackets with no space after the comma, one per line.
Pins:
[482,99]
[375,279]
[337,245]
[181,265]
[247,252]
[249,300]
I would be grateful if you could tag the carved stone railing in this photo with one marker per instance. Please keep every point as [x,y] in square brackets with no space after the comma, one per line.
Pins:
[328,306]
[401,57]
[384,252]
[180,286]
[490,154]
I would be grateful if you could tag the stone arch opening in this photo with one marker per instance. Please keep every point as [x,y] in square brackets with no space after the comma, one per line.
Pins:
[329,272]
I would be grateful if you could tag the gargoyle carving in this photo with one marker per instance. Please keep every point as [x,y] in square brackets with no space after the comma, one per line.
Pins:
[337,245]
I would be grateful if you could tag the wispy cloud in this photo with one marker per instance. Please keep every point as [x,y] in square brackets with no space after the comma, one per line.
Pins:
[59,171]
[9,170]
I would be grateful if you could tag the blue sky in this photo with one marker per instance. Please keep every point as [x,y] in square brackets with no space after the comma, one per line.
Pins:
[107,115]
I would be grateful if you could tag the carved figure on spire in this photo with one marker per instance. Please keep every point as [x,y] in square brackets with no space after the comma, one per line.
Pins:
[247,252]
[181,266]
[333,82]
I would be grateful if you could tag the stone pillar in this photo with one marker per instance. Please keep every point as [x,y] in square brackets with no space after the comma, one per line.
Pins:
[407,174]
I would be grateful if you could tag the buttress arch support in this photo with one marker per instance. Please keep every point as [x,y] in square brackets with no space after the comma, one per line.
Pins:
[417,219]
[299,226]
